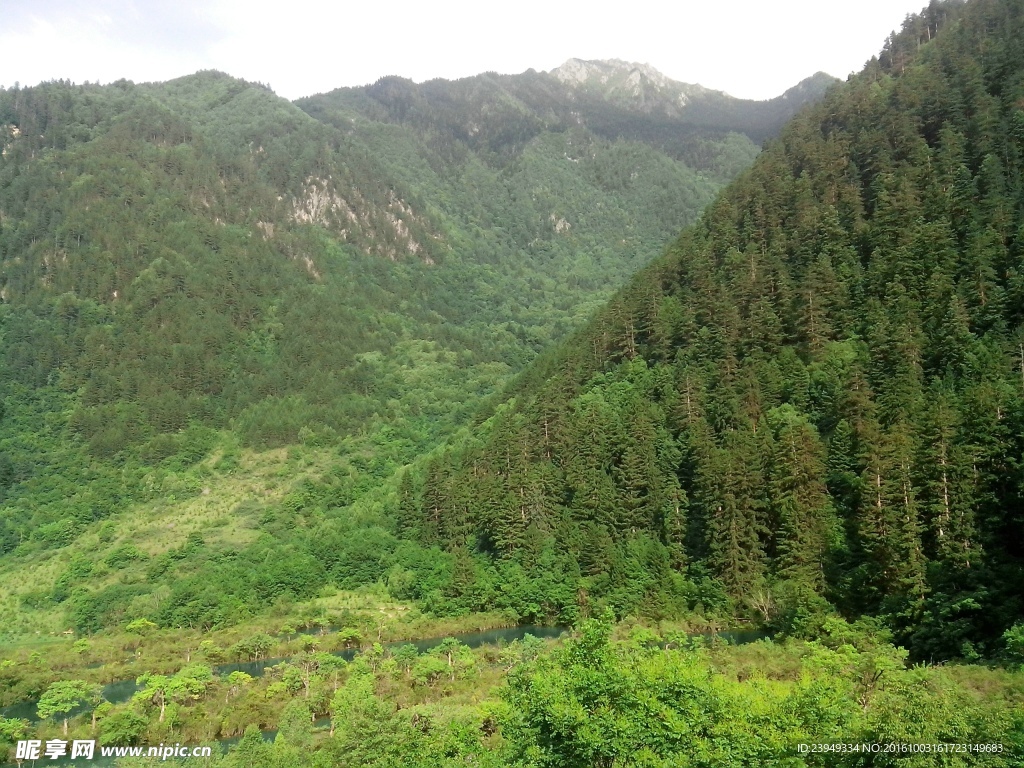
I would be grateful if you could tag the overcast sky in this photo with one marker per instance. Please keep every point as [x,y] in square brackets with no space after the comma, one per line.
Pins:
[300,47]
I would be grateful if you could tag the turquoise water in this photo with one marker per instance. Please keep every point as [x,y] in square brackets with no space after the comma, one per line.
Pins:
[122,690]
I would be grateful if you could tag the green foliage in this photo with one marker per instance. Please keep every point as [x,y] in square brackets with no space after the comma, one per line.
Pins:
[197,264]
[64,696]
[140,627]
[1014,640]
[658,696]
[596,702]
[813,402]
[123,728]
[12,730]
[295,728]
[188,685]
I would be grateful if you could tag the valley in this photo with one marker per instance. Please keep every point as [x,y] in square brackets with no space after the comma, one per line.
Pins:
[311,409]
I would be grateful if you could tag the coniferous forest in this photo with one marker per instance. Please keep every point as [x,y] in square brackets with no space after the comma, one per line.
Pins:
[815,397]
[298,398]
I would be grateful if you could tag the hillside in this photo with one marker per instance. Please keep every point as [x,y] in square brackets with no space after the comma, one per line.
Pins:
[812,404]
[199,269]
[496,116]
[774,483]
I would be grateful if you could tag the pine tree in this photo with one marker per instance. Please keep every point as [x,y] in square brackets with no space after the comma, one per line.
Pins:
[588,468]
[409,515]
[730,487]
[800,503]
[636,473]
[889,524]
[820,294]
[948,484]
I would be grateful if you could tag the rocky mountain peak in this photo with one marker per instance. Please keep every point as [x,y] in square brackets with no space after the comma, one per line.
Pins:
[631,80]
[580,71]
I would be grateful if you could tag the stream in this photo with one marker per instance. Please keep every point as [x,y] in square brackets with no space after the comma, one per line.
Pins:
[121,691]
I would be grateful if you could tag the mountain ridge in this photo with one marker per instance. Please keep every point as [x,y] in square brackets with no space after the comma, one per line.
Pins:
[583,71]
[601,72]
[641,86]
[663,104]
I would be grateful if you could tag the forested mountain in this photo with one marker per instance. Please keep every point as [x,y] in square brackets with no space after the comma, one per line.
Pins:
[200,261]
[634,87]
[227,319]
[813,402]
[496,116]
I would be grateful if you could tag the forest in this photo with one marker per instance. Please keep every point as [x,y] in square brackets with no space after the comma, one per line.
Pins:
[296,385]
[197,270]
[814,401]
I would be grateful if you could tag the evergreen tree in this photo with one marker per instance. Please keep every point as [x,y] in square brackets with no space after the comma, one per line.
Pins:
[731,489]
[801,507]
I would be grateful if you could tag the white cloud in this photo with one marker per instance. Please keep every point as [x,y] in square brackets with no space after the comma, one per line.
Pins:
[104,43]
[755,50]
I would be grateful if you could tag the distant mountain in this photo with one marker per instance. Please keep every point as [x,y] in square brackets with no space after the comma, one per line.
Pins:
[638,85]
[612,99]
[642,88]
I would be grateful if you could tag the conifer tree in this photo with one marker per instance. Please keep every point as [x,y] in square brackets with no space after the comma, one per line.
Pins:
[730,487]
[801,506]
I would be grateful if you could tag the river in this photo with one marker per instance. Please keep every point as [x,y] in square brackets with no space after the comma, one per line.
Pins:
[121,691]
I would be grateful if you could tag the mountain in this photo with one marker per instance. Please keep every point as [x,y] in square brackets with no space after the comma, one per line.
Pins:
[198,270]
[615,100]
[812,404]
[640,87]
[801,423]
[618,80]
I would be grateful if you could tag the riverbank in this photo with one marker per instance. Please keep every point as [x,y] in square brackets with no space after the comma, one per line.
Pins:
[120,691]
[336,622]
[445,703]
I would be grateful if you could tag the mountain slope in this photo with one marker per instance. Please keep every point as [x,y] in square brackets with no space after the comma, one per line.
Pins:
[194,268]
[640,87]
[814,400]
[496,116]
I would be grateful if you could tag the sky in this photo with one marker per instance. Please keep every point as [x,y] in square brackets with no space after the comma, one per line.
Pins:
[300,47]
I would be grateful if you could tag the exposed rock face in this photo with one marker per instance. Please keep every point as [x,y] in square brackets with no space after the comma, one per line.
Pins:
[354,219]
[318,203]
[578,71]
[644,90]
[640,84]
